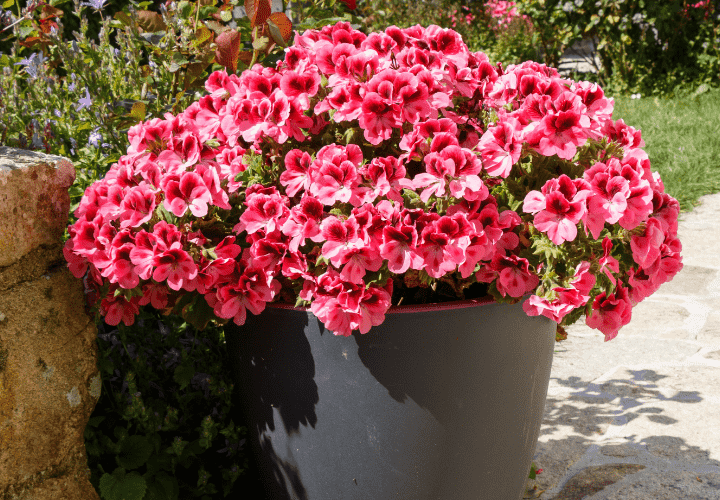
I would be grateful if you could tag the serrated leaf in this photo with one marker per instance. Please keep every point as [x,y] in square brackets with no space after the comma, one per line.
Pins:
[134,452]
[162,486]
[95,421]
[121,486]
[169,484]
[83,126]
[151,22]
[154,491]
[183,375]
[257,11]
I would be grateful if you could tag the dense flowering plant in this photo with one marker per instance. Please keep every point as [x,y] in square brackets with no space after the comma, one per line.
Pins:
[365,171]
[503,12]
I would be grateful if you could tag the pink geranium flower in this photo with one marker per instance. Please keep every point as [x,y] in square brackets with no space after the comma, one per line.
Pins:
[559,134]
[559,207]
[264,211]
[117,309]
[137,206]
[186,191]
[646,247]
[399,249]
[610,312]
[341,237]
[501,147]
[297,172]
[175,265]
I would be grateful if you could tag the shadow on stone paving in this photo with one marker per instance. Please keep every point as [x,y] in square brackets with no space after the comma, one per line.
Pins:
[587,415]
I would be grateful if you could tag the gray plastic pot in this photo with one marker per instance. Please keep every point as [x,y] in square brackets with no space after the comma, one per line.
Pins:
[439,402]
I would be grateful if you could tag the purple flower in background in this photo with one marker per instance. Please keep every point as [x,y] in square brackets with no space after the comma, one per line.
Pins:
[231,449]
[84,102]
[95,138]
[95,4]
[33,64]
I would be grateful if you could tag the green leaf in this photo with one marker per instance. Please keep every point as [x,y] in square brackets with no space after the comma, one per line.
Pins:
[137,112]
[198,313]
[169,484]
[8,4]
[184,9]
[157,463]
[161,487]
[122,486]
[226,16]
[164,214]
[207,11]
[76,190]
[95,421]
[532,471]
[123,18]
[134,452]
[85,125]
[261,43]
[25,31]
[183,375]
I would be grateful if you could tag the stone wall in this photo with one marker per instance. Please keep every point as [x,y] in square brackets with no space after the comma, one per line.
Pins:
[49,380]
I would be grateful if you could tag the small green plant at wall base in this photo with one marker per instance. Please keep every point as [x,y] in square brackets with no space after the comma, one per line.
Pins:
[163,424]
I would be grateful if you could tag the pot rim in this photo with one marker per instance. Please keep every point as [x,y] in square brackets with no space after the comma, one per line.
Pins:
[434,306]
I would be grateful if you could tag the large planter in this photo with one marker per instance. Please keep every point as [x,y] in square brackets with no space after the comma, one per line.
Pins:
[439,402]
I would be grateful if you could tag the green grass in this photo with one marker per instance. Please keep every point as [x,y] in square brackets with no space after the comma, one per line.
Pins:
[682,140]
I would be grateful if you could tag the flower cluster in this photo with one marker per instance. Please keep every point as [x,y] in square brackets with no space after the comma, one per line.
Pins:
[503,11]
[466,17]
[363,167]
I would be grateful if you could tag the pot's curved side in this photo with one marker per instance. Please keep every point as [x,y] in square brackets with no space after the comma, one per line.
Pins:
[432,405]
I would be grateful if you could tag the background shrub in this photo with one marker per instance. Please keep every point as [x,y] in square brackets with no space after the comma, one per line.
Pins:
[645,46]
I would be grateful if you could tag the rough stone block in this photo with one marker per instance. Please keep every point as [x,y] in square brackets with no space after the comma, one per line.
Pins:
[49,380]
[34,201]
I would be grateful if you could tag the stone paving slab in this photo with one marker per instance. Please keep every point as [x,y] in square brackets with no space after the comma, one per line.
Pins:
[638,418]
